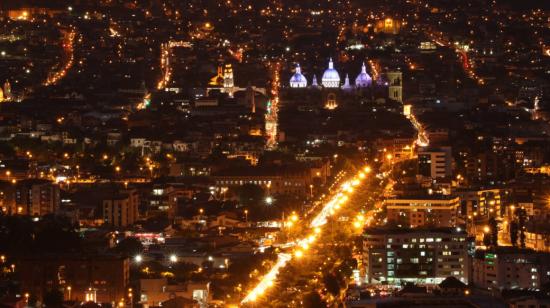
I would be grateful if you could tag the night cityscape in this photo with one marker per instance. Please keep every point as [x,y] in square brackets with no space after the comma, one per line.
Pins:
[274,153]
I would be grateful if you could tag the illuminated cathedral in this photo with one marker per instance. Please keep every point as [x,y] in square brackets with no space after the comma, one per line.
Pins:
[331,79]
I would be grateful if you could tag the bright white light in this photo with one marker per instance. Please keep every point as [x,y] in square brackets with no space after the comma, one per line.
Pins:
[173,258]
[269,200]
[138,258]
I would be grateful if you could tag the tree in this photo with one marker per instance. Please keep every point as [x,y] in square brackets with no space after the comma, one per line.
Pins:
[313,300]
[250,194]
[487,239]
[53,298]
[331,283]
[51,234]
[514,233]
[494,231]
[129,246]
[521,225]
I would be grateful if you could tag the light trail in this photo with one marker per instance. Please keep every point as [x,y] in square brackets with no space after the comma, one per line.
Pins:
[271,117]
[374,68]
[302,245]
[165,62]
[467,64]
[268,279]
[422,139]
[68,47]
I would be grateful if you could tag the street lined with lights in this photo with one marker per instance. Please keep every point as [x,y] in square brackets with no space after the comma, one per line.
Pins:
[301,246]
[68,48]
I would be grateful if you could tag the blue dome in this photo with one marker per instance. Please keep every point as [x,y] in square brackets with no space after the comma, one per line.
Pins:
[331,78]
[298,80]
[363,80]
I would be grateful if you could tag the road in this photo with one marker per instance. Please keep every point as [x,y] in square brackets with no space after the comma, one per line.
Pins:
[68,58]
[271,116]
[299,248]
[422,139]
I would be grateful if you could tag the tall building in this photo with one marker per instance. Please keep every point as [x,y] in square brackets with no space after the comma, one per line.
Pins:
[228,81]
[430,210]
[395,86]
[331,78]
[423,256]
[435,163]
[121,209]
[29,197]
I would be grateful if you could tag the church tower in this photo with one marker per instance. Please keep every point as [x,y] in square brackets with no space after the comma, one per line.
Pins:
[395,86]
[228,76]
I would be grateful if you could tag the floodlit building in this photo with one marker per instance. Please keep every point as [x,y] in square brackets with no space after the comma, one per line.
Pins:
[363,80]
[331,78]
[298,80]
[422,256]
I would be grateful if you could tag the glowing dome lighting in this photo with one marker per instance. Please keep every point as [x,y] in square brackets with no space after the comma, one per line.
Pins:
[363,80]
[331,78]
[298,80]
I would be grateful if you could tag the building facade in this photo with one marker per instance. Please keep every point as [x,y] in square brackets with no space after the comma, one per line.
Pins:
[431,210]
[30,197]
[511,268]
[121,209]
[422,256]
[435,163]
[102,279]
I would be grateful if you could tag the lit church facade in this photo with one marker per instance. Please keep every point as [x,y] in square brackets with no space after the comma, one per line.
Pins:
[331,79]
